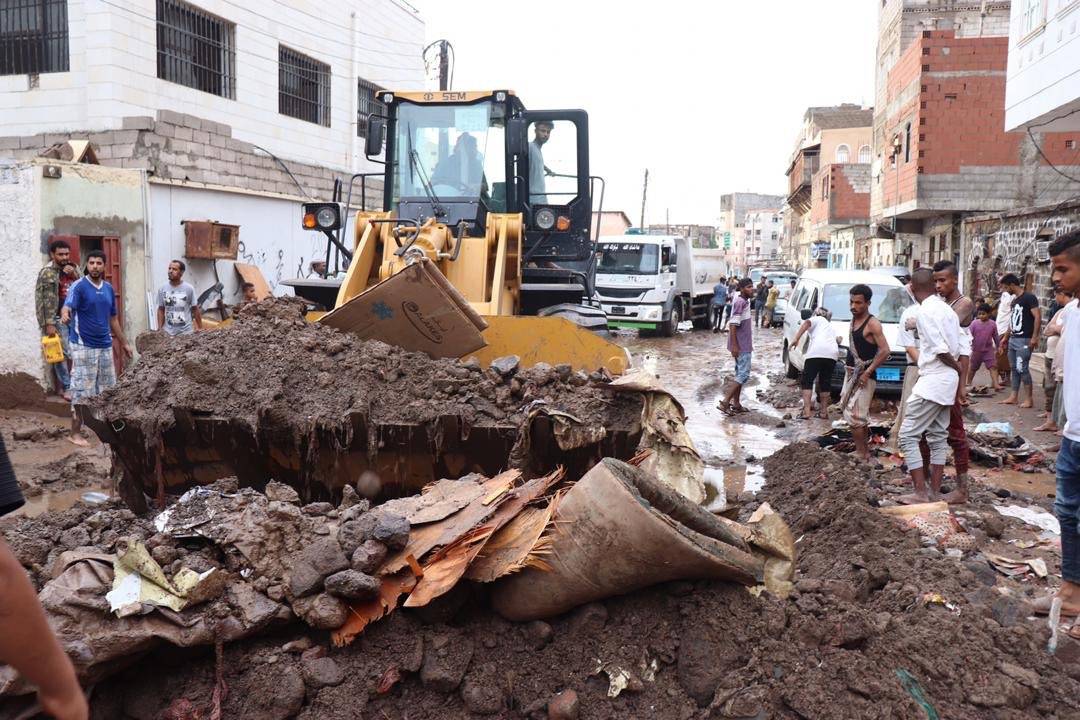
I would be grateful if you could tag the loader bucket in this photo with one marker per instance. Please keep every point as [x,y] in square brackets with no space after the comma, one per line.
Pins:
[551,340]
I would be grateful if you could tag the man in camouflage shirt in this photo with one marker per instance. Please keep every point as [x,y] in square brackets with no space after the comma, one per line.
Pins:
[49,302]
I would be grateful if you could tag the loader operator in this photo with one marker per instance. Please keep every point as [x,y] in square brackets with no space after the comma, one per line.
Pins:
[463,169]
[538,172]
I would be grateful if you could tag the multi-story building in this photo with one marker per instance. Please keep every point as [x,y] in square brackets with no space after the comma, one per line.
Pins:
[211,110]
[762,234]
[731,223]
[941,147]
[828,182]
[1042,86]
[701,236]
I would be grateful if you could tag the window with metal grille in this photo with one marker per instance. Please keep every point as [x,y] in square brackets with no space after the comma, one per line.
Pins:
[195,48]
[367,105]
[33,36]
[303,87]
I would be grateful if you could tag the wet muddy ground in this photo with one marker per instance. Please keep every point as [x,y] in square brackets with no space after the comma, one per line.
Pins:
[873,601]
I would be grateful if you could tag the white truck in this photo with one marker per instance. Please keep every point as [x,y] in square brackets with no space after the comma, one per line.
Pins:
[653,282]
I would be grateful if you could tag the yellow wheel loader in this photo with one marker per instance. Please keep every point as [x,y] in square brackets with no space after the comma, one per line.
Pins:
[499,199]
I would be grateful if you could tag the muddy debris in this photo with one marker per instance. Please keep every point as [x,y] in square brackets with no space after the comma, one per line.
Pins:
[842,646]
[274,397]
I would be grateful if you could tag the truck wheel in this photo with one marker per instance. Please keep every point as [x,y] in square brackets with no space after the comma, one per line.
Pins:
[704,321]
[792,371]
[669,326]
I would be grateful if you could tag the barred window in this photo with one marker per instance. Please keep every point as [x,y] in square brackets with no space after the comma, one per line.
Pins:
[33,36]
[195,48]
[303,87]
[367,104]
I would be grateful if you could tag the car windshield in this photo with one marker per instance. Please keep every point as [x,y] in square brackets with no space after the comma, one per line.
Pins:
[449,151]
[629,258]
[887,303]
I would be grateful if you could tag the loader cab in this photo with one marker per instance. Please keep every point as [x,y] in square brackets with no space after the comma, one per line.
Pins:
[464,156]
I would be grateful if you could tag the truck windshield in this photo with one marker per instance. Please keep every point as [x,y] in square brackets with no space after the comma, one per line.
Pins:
[628,259]
[887,304]
[453,152]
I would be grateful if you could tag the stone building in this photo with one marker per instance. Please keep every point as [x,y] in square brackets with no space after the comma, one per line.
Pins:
[1015,241]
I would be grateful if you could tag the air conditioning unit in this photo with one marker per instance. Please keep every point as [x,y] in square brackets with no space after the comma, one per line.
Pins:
[1042,251]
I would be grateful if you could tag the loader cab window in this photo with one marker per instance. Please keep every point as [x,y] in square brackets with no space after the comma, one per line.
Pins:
[552,162]
[450,152]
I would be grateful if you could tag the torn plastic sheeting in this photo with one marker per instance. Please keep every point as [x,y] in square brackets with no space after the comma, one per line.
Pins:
[1035,517]
[675,461]
[618,529]
[98,642]
[138,580]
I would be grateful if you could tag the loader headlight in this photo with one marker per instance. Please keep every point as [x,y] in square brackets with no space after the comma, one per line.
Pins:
[545,218]
[322,216]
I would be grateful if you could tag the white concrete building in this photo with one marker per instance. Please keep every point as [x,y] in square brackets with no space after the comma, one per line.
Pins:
[1042,90]
[199,104]
[762,233]
[289,75]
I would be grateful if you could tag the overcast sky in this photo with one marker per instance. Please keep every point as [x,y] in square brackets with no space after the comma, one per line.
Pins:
[708,96]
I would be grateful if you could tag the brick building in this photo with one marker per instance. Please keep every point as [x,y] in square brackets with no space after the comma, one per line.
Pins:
[949,154]
[828,184]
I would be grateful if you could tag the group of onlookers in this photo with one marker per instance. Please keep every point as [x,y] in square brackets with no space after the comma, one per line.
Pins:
[81,308]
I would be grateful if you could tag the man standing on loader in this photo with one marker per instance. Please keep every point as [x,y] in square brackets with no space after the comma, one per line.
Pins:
[538,172]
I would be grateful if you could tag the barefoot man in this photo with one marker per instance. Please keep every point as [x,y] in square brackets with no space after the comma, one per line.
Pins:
[947,280]
[90,312]
[867,344]
[927,410]
[741,345]
[1020,340]
[1065,260]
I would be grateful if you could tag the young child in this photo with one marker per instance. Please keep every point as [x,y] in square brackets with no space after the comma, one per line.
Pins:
[984,342]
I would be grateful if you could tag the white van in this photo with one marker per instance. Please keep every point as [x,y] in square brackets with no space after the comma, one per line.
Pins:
[832,288]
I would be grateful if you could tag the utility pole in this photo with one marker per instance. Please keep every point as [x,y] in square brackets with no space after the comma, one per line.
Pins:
[444,65]
[644,194]
[667,220]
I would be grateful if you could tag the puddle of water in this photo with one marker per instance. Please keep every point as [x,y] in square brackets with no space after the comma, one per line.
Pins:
[60,500]
[1042,484]
[692,367]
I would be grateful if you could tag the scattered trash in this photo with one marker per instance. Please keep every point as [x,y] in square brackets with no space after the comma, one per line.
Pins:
[139,580]
[1013,568]
[914,689]
[94,498]
[1002,429]
[934,521]
[618,678]
[1055,624]
[938,599]
[1036,517]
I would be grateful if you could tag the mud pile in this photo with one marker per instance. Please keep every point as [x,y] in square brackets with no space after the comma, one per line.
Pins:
[20,390]
[856,640]
[273,396]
